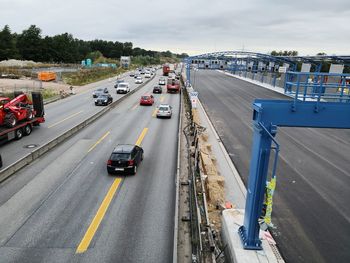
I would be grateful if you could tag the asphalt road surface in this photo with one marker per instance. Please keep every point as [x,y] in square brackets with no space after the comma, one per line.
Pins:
[61,116]
[54,210]
[311,209]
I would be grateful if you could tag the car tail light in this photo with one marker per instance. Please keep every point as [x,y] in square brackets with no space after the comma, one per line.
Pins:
[109,162]
[131,162]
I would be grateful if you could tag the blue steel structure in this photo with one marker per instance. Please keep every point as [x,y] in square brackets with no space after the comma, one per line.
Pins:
[318,100]
[319,104]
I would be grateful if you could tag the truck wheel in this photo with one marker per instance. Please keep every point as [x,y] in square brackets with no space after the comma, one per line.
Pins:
[19,134]
[28,129]
[10,120]
[30,115]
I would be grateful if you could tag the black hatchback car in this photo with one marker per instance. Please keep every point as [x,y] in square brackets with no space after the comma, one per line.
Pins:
[103,99]
[157,89]
[125,158]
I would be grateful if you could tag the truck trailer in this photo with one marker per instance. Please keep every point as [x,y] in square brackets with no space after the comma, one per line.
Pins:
[24,126]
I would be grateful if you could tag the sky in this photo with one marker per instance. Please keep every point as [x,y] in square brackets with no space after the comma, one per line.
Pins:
[192,26]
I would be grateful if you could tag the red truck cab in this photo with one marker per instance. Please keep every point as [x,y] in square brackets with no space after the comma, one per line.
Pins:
[166,70]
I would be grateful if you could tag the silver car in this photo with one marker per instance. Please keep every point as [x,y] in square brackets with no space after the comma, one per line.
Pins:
[164,111]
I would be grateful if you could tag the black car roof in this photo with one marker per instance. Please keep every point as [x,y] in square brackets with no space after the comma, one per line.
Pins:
[123,148]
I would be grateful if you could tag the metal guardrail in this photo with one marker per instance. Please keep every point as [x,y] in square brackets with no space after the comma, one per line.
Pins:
[30,157]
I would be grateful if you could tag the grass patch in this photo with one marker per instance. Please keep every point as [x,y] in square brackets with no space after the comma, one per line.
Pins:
[47,94]
[86,76]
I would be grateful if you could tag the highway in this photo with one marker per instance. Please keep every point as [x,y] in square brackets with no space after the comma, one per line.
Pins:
[311,209]
[61,116]
[64,207]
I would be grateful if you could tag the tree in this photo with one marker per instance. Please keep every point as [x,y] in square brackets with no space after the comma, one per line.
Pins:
[29,44]
[94,55]
[7,44]
[289,53]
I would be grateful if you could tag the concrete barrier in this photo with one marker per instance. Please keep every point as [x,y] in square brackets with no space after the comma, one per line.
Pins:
[30,157]
[177,185]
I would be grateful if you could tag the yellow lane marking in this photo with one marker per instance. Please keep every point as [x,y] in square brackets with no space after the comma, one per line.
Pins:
[142,135]
[85,242]
[162,98]
[135,106]
[154,113]
[99,140]
[69,117]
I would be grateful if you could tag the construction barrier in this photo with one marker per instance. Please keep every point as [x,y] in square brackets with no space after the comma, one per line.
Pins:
[46,75]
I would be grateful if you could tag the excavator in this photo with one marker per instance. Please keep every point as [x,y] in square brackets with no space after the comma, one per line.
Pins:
[15,110]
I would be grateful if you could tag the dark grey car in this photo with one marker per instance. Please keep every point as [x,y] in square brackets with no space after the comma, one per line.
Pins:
[125,158]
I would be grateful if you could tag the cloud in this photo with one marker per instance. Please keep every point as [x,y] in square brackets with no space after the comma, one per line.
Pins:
[192,26]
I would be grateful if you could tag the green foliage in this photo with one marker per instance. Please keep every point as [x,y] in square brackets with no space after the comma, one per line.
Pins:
[145,60]
[291,53]
[64,48]
[49,93]
[7,44]
[94,55]
[29,43]
[86,76]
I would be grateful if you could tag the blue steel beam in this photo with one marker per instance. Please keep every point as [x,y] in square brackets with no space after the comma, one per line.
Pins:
[267,116]
[288,113]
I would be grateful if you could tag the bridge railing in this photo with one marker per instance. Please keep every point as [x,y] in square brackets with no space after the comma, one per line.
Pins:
[270,78]
[312,86]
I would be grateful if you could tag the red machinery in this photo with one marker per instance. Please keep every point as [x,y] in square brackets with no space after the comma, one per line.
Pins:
[17,116]
[15,110]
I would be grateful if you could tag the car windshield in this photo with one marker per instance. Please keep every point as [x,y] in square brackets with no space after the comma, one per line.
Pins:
[120,156]
[103,96]
[163,108]
[145,97]
[122,85]
[99,90]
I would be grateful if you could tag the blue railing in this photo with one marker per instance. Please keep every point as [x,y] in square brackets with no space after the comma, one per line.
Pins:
[313,86]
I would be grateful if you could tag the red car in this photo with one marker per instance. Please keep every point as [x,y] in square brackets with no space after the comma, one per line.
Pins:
[147,100]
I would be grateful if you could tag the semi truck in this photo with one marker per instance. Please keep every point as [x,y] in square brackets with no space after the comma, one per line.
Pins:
[19,115]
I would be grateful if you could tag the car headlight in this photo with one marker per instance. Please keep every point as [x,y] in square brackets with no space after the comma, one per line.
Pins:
[95,100]
[105,100]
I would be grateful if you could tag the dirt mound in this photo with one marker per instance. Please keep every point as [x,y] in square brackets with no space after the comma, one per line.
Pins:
[17,63]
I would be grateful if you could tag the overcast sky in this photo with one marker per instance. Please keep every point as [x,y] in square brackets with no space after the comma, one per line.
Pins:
[193,26]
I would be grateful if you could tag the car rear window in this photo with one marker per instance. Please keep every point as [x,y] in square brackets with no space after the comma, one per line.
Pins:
[163,108]
[120,156]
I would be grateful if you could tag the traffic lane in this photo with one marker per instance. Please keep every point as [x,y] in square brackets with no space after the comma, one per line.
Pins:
[145,203]
[39,136]
[307,159]
[39,232]
[60,117]
[83,101]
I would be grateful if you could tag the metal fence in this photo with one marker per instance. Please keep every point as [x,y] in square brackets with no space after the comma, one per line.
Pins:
[273,79]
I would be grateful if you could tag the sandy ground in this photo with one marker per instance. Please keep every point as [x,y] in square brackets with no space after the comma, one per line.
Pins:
[9,85]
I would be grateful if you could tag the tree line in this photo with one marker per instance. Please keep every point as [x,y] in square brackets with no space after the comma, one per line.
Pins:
[64,48]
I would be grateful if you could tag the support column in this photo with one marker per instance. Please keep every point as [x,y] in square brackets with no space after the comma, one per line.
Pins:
[249,232]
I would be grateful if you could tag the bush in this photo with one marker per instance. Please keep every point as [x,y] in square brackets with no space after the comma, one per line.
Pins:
[86,76]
